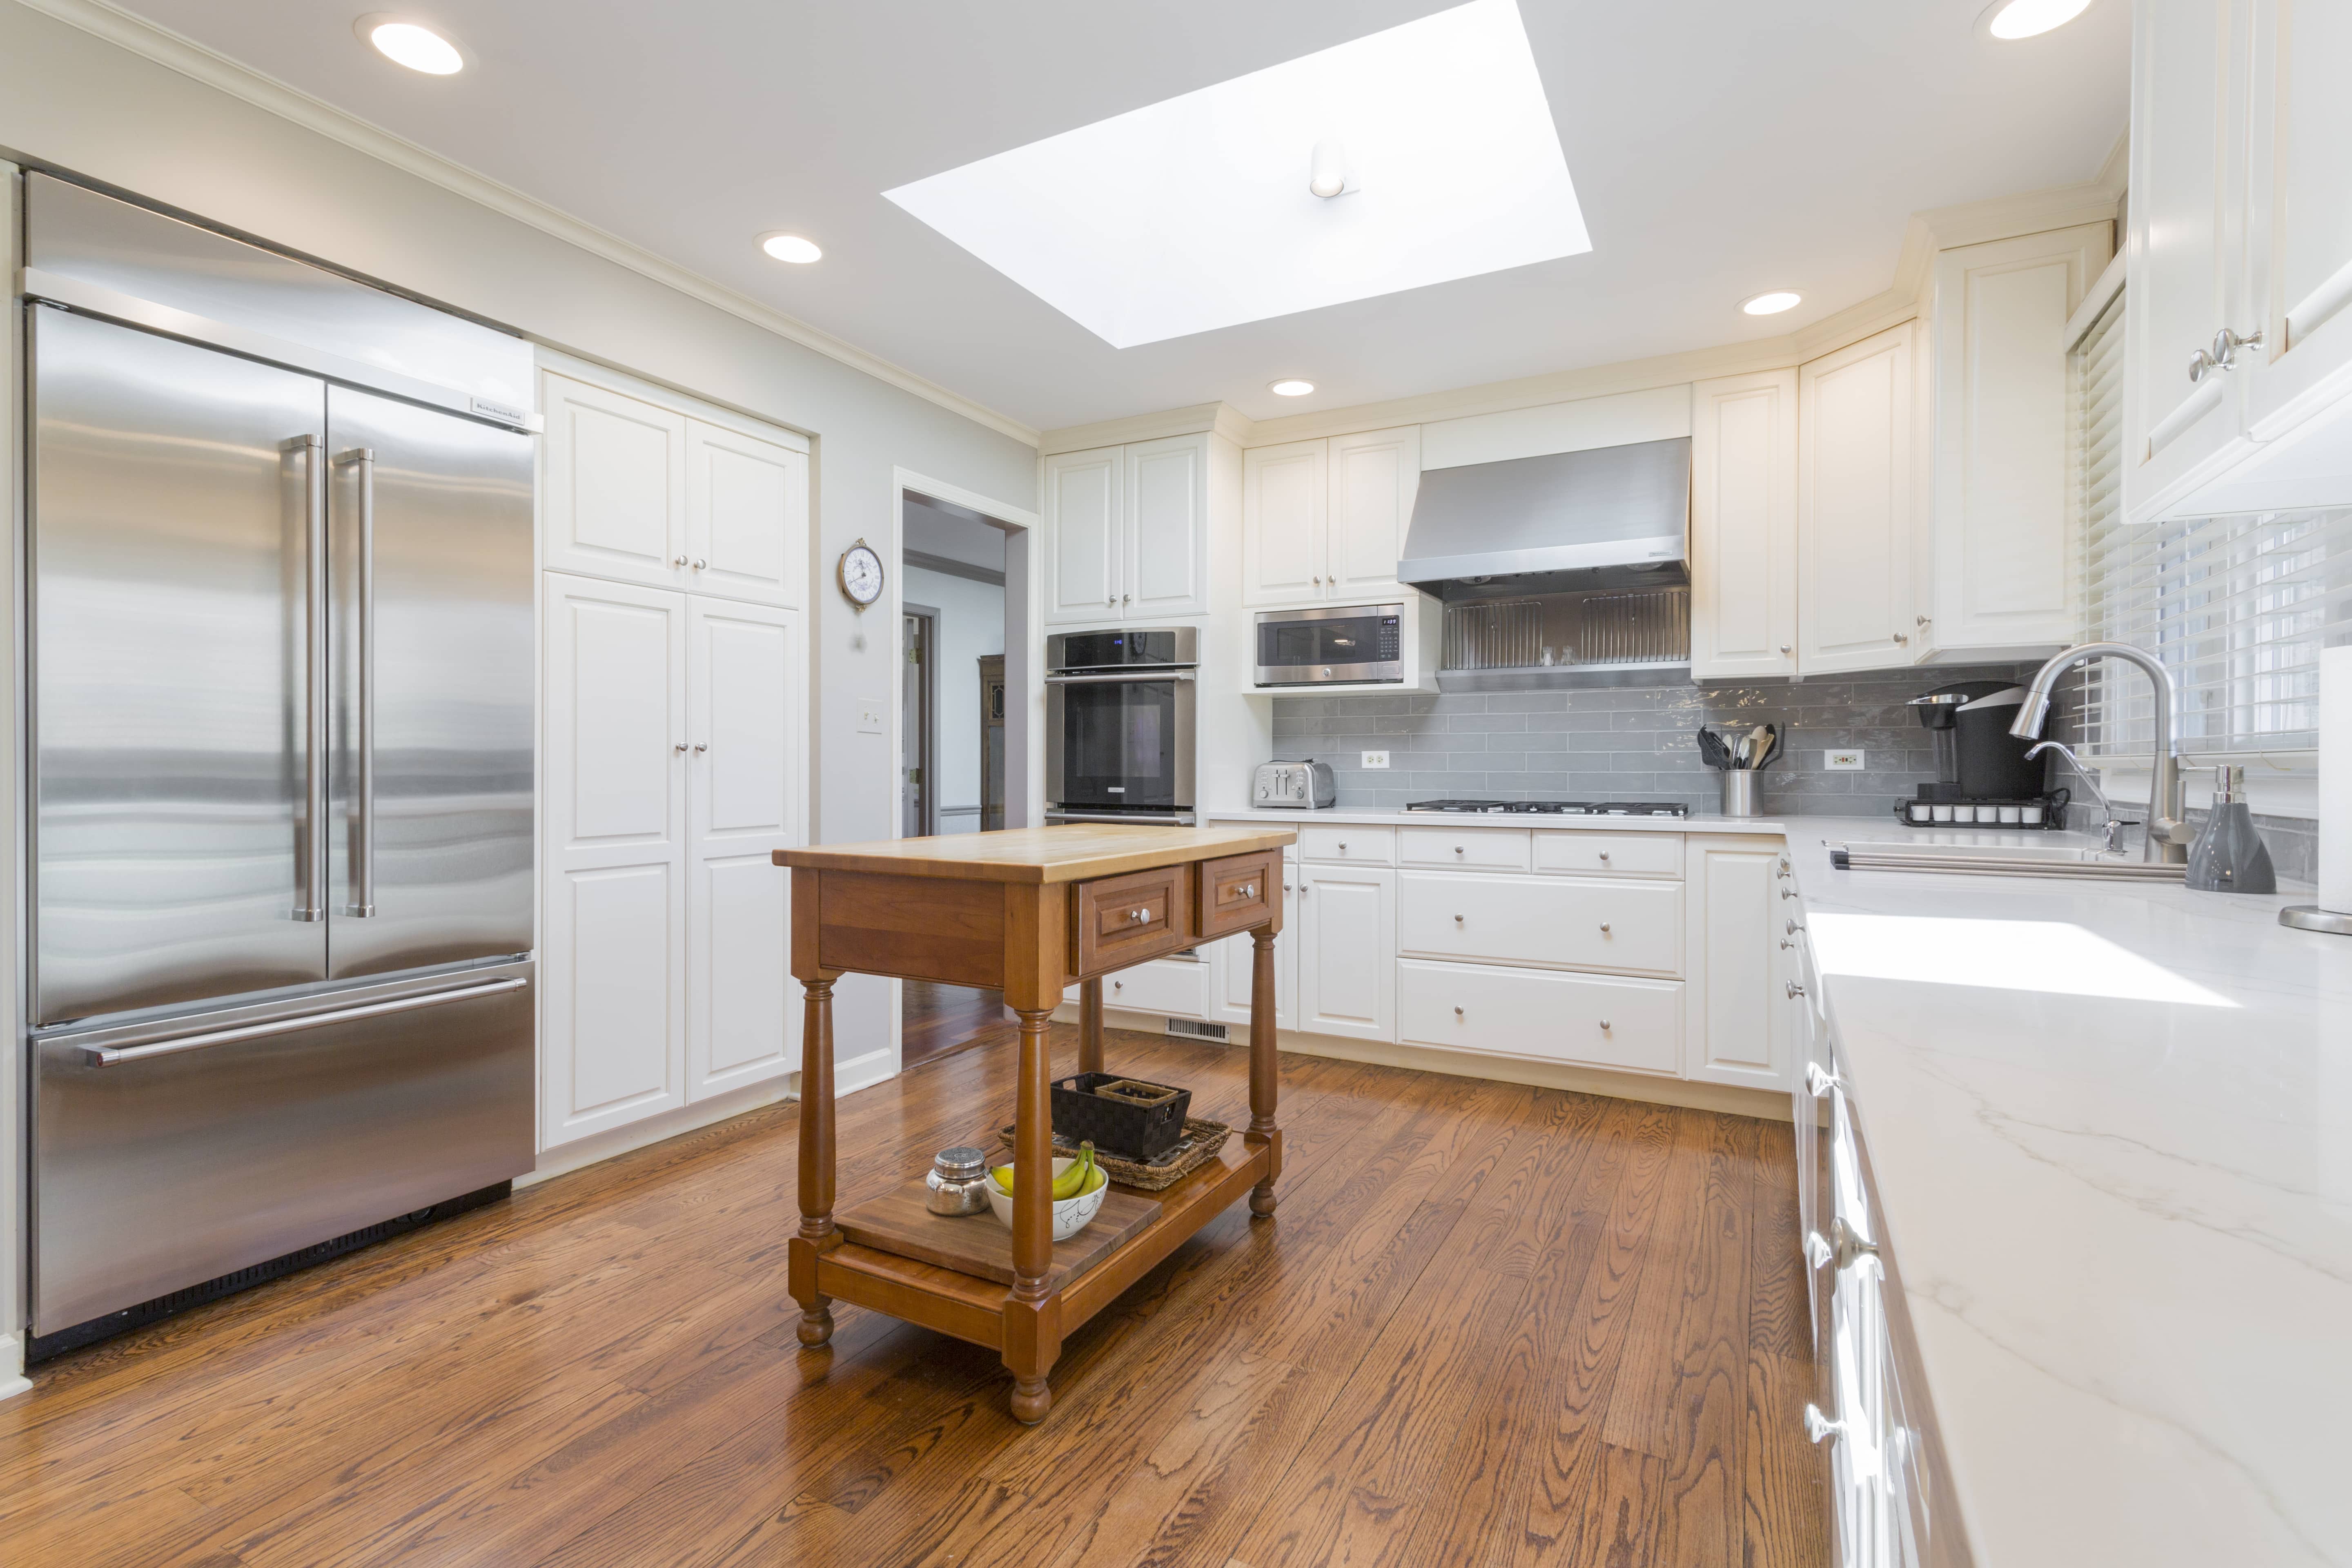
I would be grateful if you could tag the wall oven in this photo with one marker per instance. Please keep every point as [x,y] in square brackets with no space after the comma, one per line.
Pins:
[1119,725]
[1349,642]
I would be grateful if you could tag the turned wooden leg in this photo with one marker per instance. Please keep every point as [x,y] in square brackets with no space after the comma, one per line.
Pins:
[1262,1128]
[1032,1323]
[817,1235]
[1090,1026]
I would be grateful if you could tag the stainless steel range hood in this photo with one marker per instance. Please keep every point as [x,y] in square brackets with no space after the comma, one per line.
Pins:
[1605,517]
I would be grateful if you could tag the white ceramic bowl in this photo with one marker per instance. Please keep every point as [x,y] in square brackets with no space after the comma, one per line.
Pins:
[1071,1215]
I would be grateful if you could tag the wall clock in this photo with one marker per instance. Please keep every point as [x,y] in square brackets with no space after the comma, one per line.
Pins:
[860,573]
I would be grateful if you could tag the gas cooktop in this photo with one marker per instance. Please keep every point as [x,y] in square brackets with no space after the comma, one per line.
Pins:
[1556,808]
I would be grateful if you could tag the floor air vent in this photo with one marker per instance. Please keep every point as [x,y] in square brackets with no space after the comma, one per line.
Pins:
[1197,1029]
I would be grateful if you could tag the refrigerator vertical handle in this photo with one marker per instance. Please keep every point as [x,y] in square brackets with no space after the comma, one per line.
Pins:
[363,827]
[311,843]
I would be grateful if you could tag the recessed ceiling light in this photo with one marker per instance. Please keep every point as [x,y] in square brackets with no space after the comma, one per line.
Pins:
[1294,387]
[790,248]
[411,44]
[2011,19]
[1440,159]
[1772,302]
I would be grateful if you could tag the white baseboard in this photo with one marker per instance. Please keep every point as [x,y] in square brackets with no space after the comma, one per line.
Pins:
[853,1073]
[13,1380]
[565,1158]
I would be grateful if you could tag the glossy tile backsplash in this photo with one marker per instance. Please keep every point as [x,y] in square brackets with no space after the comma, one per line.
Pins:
[1627,742]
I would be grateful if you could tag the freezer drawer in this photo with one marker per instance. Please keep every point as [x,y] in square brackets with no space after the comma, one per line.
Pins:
[163,1160]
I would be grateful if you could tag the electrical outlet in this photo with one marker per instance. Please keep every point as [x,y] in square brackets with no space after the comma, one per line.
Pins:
[1376,758]
[1842,762]
[871,710]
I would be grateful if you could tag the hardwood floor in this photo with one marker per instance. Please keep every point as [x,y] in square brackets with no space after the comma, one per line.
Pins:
[1490,1324]
[938,1020]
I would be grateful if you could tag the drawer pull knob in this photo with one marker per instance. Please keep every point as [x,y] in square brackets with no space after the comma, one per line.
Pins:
[1138,917]
[1458,849]
[1819,1427]
[1820,1081]
[1788,892]
[1848,1246]
[1794,928]
[1794,990]
[1457,1012]
[1604,854]
[1247,891]
[1457,919]
[1119,984]
[1605,1022]
[1343,847]
[1604,928]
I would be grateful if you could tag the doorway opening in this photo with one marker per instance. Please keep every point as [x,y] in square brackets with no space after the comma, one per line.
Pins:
[918,636]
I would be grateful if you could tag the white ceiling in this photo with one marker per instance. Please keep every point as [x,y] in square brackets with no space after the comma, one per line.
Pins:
[1719,147]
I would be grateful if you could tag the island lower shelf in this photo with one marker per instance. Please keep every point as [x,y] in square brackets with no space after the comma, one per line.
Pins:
[972,1307]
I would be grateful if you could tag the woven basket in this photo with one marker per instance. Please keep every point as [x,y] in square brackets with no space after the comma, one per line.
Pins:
[1199,1146]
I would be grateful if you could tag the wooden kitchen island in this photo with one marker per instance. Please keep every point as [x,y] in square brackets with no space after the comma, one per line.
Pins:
[1026,911]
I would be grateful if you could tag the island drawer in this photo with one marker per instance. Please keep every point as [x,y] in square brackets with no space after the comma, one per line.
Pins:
[1118,920]
[1238,892]
[1578,922]
[1594,1019]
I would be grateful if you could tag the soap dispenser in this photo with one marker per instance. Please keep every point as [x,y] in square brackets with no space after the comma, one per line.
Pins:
[2229,857]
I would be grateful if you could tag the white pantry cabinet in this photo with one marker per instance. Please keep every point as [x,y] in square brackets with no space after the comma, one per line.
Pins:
[1127,532]
[1993,571]
[670,771]
[1744,526]
[1324,521]
[639,492]
[1857,435]
[1347,951]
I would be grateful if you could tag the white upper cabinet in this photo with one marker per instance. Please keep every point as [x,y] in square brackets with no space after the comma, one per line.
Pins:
[746,516]
[1995,580]
[637,493]
[1285,521]
[2300,230]
[1127,532]
[1324,520]
[2183,285]
[1744,526]
[1858,432]
[615,492]
[1166,571]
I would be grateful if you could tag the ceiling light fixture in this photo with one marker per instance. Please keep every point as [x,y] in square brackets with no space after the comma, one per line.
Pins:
[790,248]
[1772,302]
[1293,387]
[2008,20]
[410,44]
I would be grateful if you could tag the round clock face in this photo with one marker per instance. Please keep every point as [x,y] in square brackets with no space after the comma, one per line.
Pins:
[861,574]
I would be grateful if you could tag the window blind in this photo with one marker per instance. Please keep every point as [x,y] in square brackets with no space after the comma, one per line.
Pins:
[2237,607]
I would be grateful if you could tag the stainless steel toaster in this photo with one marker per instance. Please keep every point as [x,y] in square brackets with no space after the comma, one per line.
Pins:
[1298,786]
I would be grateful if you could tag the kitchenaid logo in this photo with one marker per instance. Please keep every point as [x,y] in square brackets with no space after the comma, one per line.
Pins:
[490,410]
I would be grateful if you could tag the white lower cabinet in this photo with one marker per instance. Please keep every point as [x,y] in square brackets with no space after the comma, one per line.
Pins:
[1600,1020]
[671,769]
[1738,1014]
[1238,960]
[1347,951]
[1174,987]
[1583,922]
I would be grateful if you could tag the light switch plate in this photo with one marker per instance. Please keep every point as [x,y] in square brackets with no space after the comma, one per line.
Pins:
[1376,758]
[871,710]
[1842,762]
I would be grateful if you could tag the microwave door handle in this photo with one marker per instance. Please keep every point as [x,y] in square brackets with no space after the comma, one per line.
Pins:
[363,827]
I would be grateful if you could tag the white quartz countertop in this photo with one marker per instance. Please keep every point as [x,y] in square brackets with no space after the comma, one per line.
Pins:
[2111,1127]
[1691,824]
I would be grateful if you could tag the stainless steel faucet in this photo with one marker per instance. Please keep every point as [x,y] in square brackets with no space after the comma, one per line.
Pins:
[2113,826]
[2167,834]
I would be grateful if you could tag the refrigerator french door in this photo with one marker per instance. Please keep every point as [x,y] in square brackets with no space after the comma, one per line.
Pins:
[280,824]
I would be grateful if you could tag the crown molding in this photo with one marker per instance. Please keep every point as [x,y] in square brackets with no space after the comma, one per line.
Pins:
[1226,420]
[193,60]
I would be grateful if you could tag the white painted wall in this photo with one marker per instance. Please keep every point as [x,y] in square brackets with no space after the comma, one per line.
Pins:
[971,623]
[71,101]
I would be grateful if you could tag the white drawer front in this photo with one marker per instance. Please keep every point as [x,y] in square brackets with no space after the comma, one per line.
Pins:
[1611,854]
[1358,846]
[1598,1020]
[1176,986]
[1473,848]
[1583,922]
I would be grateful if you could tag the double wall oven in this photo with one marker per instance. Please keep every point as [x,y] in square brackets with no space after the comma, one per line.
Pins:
[1119,725]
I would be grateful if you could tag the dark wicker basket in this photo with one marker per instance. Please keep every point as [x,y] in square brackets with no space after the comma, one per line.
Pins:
[1129,1131]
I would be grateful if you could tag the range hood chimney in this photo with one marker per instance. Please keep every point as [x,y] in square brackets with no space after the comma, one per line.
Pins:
[1604,518]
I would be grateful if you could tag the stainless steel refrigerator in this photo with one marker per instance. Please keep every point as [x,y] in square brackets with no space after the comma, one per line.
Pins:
[280,823]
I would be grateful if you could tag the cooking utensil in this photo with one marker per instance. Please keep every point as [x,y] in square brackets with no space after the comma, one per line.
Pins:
[1711,751]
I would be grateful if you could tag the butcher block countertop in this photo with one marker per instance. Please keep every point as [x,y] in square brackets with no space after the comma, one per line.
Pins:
[1069,852]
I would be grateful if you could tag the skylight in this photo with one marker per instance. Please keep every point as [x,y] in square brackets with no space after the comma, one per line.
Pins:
[1197,213]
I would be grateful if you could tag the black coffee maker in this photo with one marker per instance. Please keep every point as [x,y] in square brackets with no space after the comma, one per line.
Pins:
[1978,762]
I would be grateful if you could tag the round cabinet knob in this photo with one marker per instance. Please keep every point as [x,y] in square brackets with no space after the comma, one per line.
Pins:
[1902,637]
[1604,855]
[1785,944]
[1848,1246]
[1119,984]
[1784,651]
[702,745]
[1458,849]
[700,565]
[1794,990]
[1819,1427]
[1788,892]
[1604,928]
[1605,1022]
[1457,919]
[1794,928]
[1457,1012]
[1343,847]
[679,748]
[1820,1081]
[677,560]
[1248,891]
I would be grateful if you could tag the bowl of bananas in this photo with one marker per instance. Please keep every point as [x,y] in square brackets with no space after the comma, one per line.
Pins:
[1078,1187]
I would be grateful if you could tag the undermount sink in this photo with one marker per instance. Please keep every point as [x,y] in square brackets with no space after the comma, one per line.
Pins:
[2007,855]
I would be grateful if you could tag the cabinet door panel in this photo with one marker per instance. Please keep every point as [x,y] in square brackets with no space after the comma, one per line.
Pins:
[616,493]
[1166,541]
[1739,1024]
[615,997]
[745,672]
[1240,955]
[746,516]
[1854,506]
[615,673]
[2302,211]
[1744,526]
[1284,522]
[1346,953]
[1373,479]
[1086,500]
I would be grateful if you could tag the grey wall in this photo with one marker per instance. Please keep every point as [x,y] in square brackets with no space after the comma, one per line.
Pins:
[1633,743]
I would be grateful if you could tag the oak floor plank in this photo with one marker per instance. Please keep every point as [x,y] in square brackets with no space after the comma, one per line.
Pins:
[1784,1486]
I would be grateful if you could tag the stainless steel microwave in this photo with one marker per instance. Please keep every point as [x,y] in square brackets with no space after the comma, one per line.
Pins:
[1351,642]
